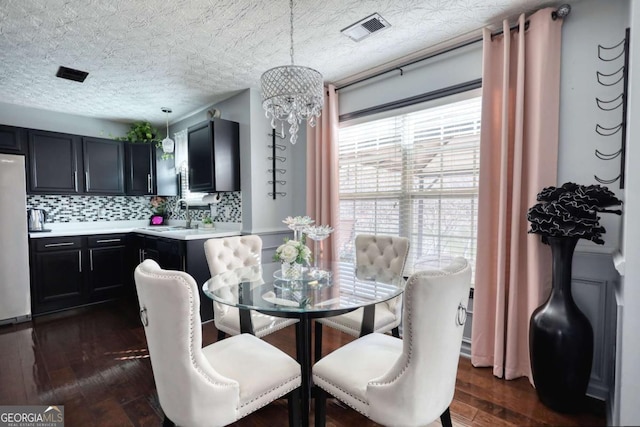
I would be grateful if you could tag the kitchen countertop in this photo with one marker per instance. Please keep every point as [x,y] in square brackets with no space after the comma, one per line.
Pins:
[170,231]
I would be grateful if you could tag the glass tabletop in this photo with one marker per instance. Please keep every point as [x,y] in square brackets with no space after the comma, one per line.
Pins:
[341,287]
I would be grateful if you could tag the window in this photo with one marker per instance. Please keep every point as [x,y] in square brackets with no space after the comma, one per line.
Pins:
[414,174]
[181,159]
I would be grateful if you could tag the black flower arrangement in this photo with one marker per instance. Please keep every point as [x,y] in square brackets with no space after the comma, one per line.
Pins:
[572,211]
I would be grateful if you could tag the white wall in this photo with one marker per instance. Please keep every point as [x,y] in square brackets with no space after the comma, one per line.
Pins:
[629,370]
[34,118]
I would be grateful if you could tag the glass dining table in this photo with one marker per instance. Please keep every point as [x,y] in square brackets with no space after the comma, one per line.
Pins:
[339,289]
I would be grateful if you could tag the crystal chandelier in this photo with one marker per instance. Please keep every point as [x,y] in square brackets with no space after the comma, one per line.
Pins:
[167,143]
[292,93]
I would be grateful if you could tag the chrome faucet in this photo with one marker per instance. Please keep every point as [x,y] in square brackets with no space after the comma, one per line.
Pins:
[186,204]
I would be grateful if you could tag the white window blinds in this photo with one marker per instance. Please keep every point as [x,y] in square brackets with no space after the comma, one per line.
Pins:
[413,175]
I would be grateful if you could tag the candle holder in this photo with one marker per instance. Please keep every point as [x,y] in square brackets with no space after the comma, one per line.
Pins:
[298,224]
[317,233]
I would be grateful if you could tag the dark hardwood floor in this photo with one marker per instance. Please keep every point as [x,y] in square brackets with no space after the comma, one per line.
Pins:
[94,361]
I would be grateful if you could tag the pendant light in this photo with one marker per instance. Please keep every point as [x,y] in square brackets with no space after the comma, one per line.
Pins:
[167,143]
[292,93]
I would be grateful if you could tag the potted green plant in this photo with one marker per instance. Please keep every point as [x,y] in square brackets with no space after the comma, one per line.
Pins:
[207,222]
[144,132]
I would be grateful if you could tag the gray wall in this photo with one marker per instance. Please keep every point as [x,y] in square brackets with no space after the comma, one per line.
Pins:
[260,212]
[17,115]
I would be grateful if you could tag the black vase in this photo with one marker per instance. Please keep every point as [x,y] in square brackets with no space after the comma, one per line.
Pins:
[561,338]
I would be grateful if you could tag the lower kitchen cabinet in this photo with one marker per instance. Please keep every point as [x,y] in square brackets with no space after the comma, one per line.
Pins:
[108,267]
[69,272]
[181,255]
[57,278]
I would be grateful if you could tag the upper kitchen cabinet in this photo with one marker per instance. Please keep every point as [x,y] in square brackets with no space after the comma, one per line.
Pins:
[12,140]
[147,173]
[214,156]
[140,169]
[54,162]
[103,161]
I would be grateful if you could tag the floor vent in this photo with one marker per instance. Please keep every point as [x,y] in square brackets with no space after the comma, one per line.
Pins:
[365,27]
[71,74]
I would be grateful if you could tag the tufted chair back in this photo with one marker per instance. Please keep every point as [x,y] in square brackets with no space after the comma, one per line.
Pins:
[420,385]
[380,256]
[228,253]
[191,392]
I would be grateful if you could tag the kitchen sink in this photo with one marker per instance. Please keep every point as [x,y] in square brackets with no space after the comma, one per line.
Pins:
[167,228]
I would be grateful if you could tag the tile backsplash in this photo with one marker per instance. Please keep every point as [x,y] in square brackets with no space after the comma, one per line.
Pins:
[65,208]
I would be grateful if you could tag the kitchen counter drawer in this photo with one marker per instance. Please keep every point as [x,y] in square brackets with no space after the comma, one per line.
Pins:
[57,243]
[106,240]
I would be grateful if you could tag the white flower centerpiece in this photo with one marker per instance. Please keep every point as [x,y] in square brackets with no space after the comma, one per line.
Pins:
[292,254]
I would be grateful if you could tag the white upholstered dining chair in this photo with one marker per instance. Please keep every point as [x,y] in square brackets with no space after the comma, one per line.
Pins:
[211,386]
[382,257]
[408,382]
[228,253]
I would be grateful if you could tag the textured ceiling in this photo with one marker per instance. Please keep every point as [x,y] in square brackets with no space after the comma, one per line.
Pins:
[187,54]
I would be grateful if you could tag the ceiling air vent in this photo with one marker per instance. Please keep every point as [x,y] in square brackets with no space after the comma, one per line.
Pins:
[365,27]
[71,74]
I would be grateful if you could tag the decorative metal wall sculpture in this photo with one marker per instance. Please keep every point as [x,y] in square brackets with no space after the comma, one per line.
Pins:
[611,54]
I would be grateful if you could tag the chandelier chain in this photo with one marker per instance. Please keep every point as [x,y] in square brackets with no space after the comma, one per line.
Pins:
[291,32]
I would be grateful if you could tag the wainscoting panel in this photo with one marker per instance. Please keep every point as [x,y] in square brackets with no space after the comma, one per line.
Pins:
[593,286]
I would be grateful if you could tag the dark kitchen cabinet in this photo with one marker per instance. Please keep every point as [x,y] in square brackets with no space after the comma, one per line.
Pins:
[57,276]
[108,273]
[54,163]
[181,255]
[12,140]
[214,156]
[103,161]
[140,169]
[68,272]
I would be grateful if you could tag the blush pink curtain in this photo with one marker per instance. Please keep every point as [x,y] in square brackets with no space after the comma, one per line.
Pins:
[518,157]
[322,170]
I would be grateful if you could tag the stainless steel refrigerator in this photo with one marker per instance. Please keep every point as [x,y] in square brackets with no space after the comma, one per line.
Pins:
[15,295]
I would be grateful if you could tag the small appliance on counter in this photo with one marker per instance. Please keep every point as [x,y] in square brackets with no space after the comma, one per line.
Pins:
[36,218]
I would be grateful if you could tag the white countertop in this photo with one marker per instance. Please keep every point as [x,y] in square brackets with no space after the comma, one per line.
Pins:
[138,226]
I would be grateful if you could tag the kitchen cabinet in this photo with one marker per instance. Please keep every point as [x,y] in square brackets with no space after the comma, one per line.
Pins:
[68,272]
[103,161]
[140,169]
[172,254]
[108,273]
[57,276]
[12,140]
[55,162]
[214,156]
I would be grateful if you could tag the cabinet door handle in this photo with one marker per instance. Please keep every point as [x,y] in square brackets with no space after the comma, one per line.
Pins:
[91,259]
[108,240]
[149,183]
[80,261]
[86,177]
[55,245]
[75,180]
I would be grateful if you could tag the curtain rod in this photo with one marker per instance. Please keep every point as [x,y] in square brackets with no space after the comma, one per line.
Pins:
[560,12]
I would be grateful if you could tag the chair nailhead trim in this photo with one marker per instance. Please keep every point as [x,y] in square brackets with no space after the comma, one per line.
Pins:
[289,389]
[192,356]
